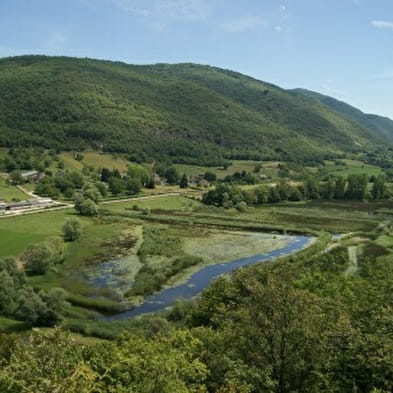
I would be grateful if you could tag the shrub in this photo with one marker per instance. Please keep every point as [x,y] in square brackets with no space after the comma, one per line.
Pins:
[72,229]
[39,258]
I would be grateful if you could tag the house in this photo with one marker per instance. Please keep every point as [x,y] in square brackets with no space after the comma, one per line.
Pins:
[193,180]
[203,183]
[158,181]
[264,177]
[32,176]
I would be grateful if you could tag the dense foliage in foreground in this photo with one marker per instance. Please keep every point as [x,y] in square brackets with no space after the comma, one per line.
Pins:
[300,325]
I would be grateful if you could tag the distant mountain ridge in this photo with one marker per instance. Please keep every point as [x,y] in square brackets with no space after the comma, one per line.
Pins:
[184,112]
[380,125]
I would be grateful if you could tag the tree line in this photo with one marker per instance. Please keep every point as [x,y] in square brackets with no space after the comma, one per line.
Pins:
[352,187]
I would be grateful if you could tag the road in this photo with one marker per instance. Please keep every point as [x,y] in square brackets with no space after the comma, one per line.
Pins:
[140,198]
[29,193]
[63,205]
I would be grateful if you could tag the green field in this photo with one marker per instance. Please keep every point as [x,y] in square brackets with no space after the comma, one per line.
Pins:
[352,167]
[331,216]
[268,167]
[8,192]
[155,202]
[16,233]
[95,160]
[10,325]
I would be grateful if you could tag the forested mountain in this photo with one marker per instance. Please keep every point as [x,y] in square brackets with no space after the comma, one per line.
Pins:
[379,125]
[188,112]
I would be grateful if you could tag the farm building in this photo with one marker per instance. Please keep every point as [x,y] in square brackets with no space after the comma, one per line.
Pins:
[23,205]
[157,180]
[32,176]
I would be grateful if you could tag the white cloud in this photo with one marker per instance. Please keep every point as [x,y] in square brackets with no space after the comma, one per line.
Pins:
[242,24]
[192,10]
[160,13]
[382,24]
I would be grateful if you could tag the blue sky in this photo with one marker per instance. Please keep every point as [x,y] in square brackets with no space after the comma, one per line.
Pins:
[343,48]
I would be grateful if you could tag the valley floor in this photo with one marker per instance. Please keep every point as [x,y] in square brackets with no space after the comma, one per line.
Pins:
[124,256]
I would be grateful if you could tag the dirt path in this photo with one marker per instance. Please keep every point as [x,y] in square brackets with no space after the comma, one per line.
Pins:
[353,260]
[27,192]
[140,198]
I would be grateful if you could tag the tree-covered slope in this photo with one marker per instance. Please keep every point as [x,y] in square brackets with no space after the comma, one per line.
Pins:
[187,112]
[379,125]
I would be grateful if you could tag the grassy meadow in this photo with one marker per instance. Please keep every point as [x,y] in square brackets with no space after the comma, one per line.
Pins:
[170,203]
[95,160]
[330,216]
[347,167]
[16,233]
[9,192]
[269,168]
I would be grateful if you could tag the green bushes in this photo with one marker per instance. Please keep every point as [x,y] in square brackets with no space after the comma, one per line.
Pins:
[72,230]
[41,309]
[56,362]
[20,301]
[63,184]
[94,303]
[157,241]
[41,257]
[162,256]
[150,278]
[85,206]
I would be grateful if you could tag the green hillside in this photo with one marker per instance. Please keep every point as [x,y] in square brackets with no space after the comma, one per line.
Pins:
[379,125]
[189,113]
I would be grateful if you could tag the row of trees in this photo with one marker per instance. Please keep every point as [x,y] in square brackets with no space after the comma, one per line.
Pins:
[353,187]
